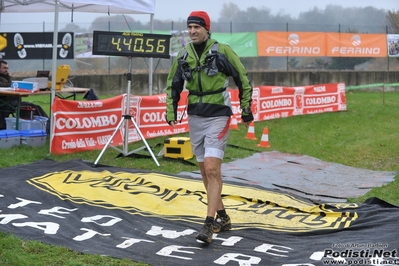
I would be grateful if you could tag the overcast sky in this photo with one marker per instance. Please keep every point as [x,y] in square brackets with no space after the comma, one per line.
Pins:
[178,9]
[291,7]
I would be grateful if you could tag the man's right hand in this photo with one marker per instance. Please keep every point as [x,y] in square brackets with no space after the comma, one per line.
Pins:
[172,124]
[246,124]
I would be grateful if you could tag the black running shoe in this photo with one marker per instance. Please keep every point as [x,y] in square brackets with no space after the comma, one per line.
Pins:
[206,233]
[221,224]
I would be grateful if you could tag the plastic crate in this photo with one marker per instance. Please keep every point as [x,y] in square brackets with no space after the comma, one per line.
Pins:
[9,138]
[39,122]
[33,138]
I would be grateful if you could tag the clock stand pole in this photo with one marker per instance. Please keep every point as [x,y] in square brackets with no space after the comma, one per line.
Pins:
[125,122]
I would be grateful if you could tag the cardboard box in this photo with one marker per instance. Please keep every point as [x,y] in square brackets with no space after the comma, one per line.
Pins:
[33,138]
[42,83]
[9,138]
[178,148]
[25,86]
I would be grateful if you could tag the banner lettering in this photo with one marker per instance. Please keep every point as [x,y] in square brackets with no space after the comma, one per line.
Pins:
[88,125]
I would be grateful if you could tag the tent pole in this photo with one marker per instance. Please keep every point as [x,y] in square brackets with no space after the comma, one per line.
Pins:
[54,67]
[151,59]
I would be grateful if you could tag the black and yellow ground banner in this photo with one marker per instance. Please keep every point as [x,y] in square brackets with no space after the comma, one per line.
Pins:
[153,218]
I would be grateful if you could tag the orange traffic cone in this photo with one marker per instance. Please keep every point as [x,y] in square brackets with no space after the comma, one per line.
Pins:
[264,141]
[251,131]
[233,124]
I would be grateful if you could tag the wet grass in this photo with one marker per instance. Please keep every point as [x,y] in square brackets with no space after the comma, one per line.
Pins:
[365,136]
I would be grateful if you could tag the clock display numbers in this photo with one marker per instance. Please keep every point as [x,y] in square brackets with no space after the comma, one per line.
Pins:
[131,44]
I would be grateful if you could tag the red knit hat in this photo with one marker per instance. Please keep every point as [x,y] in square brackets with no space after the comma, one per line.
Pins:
[201,18]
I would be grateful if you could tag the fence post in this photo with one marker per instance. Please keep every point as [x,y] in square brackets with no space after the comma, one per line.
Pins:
[286,27]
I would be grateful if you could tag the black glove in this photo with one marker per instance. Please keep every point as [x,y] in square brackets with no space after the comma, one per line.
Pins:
[246,114]
[247,117]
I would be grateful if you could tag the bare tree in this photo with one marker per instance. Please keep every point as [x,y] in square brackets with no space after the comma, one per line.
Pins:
[229,12]
[393,20]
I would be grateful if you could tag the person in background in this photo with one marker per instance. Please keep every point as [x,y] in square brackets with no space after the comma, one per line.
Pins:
[5,101]
[203,67]
[88,42]
[5,78]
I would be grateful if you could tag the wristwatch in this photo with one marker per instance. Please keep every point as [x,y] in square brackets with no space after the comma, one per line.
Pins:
[247,110]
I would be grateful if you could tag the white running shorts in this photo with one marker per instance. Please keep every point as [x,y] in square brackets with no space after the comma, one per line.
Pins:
[208,135]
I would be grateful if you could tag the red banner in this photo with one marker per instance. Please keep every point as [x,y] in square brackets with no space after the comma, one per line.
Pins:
[88,125]
[277,102]
[149,112]
[84,125]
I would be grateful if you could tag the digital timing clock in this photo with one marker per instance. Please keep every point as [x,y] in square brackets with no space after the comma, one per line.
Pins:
[134,44]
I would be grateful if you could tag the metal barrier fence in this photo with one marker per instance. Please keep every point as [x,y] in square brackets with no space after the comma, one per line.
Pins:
[119,65]
[222,27]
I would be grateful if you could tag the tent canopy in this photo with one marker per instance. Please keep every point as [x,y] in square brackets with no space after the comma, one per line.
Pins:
[96,6]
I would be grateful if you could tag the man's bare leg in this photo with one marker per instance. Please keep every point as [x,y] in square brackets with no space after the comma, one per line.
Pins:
[212,179]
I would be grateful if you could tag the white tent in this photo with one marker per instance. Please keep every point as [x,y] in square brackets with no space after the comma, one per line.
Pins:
[97,6]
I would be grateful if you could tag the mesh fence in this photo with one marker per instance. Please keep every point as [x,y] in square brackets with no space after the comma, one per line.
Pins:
[118,65]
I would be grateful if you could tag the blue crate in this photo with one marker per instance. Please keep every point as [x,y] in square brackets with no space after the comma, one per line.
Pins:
[33,138]
[9,138]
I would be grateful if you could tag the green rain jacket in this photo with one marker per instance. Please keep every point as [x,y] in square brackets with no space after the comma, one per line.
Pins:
[206,79]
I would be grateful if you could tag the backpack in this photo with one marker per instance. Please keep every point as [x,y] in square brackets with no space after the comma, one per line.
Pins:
[213,49]
[37,110]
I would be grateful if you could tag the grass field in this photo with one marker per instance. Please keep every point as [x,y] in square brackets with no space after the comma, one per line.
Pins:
[365,136]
